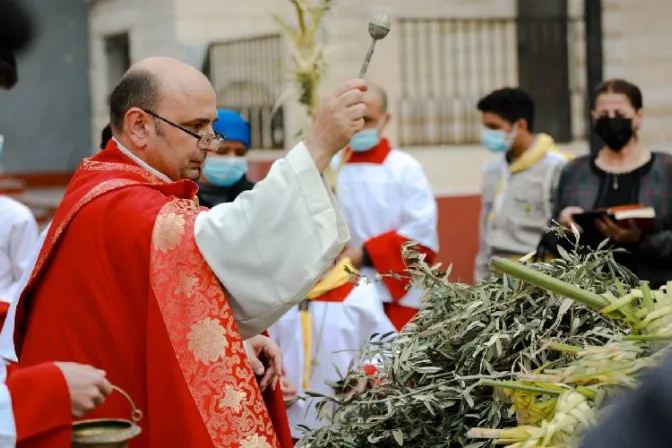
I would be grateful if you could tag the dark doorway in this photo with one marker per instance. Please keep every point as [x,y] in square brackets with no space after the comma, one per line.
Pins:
[543,63]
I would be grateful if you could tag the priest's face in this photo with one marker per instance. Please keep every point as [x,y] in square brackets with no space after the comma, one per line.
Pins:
[183,126]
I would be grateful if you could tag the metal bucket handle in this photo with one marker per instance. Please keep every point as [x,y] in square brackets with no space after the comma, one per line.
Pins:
[136,414]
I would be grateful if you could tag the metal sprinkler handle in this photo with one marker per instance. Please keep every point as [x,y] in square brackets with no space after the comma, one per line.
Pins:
[379,26]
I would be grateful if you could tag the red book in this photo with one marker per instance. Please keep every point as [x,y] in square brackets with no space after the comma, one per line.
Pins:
[642,217]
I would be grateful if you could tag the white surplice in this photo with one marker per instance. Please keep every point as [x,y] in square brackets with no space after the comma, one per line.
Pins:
[18,236]
[389,195]
[340,330]
[270,245]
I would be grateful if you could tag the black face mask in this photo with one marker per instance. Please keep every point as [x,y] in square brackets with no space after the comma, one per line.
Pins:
[615,132]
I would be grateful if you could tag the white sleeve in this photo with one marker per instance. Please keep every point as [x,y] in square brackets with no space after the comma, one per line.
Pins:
[419,214]
[270,246]
[7,425]
[7,350]
[22,242]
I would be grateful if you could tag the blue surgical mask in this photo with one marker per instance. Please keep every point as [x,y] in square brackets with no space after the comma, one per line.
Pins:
[365,140]
[224,171]
[496,140]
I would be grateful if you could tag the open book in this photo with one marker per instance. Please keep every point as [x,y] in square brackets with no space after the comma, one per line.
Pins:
[642,217]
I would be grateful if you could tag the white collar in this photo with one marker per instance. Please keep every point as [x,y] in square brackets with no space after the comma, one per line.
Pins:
[141,162]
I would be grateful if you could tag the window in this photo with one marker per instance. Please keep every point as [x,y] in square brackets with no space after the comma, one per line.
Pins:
[447,65]
[118,54]
[247,76]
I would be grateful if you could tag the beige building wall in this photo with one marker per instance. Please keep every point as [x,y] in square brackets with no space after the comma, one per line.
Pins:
[637,46]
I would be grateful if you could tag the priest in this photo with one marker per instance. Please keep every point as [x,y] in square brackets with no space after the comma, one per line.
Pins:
[137,279]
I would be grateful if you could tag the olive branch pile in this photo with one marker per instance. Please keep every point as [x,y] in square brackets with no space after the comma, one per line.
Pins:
[526,359]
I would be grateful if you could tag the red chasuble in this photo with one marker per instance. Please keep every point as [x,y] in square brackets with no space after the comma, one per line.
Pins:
[121,285]
[385,250]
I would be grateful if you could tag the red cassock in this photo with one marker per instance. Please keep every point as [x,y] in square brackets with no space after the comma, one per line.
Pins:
[121,285]
[40,404]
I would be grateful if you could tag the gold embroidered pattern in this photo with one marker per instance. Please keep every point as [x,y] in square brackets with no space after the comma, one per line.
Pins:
[205,336]
[255,442]
[207,341]
[186,284]
[93,165]
[232,400]
[168,231]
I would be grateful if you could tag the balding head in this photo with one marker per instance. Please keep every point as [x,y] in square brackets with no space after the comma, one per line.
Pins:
[137,88]
[150,81]
[160,110]
[378,95]
[376,116]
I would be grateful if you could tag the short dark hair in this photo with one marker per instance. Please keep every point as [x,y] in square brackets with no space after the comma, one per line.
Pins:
[17,27]
[510,103]
[137,88]
[105,136]
[617,85]
[17,30]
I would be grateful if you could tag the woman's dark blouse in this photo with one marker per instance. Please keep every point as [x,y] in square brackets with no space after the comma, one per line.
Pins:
[584,185]
[210,195]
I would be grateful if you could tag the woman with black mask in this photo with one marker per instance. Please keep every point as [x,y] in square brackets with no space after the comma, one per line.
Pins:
[622,173]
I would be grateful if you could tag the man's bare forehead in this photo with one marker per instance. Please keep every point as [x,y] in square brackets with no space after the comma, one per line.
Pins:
[201,108]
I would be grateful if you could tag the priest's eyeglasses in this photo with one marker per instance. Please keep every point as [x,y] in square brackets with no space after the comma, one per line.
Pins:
[205,141]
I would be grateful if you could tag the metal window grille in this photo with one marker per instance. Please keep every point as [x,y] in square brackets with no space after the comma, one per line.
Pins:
[247,77]
[118,55]
[447,65]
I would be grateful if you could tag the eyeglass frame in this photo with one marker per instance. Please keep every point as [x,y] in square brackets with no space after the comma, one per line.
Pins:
[217,138]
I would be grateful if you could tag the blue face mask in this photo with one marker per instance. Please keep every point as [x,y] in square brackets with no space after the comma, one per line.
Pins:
[496,140]
[365,140]
[224,171]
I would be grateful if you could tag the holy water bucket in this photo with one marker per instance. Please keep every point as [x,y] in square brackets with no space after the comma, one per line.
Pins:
[107,432]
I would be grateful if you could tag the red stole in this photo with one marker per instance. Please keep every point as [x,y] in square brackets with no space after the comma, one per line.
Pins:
[146,308]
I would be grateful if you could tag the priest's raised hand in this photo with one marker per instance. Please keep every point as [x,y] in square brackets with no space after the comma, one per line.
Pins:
[138,280]
[341,117]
